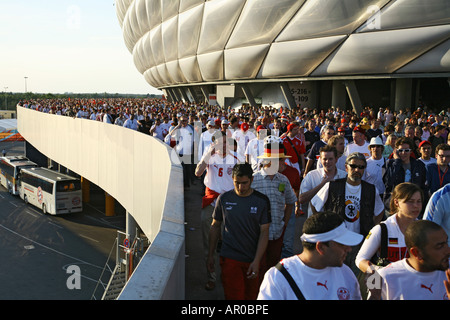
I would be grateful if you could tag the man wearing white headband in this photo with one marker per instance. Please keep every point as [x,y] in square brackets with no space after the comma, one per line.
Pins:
[319,272]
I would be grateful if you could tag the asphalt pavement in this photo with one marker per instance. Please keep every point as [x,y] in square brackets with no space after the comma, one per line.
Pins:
[38,252]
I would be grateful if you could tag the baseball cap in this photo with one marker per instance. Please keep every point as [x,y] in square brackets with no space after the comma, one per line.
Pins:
[291,126]
[339,234]
[424,142]
[359,129]
[244,126]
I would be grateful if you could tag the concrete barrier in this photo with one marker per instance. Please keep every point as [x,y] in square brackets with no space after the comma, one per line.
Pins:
[140,172]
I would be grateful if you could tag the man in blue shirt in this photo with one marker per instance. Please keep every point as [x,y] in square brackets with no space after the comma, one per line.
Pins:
[438,174]
[404,169]
[437,208]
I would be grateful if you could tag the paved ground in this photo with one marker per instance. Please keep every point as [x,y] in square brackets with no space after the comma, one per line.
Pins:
[195,262]
[36,249]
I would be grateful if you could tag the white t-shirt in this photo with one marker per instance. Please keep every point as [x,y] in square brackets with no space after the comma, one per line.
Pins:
[219,171]
[205,141]
[352,204]
[131,124]
[255,148]
[397,249]
[374,173]
[313,179]
[158,133]
[426,162]
[331,283]
[353,147]
[242,138]
[185,140]
[402,282]
[165,128]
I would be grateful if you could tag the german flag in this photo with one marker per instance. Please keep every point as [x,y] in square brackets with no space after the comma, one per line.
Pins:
[393,240]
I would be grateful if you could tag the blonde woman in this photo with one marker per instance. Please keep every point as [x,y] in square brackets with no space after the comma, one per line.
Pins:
[389,145]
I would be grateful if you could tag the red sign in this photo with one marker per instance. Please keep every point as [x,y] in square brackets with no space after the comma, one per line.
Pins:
[40,195]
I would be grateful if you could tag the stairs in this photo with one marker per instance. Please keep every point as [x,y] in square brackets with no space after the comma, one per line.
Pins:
[126,258]
[115,285]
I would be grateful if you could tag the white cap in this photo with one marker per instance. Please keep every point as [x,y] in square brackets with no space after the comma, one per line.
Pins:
[376,141]
[340,235]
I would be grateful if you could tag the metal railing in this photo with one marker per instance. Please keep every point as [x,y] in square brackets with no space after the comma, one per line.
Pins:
[105,268]
[127,258]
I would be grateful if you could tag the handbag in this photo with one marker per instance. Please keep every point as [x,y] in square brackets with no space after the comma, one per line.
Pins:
[382,260]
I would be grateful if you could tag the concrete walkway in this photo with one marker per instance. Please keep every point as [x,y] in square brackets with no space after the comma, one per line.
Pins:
[195,260]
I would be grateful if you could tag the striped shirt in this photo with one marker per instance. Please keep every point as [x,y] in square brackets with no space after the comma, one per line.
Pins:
[280,193]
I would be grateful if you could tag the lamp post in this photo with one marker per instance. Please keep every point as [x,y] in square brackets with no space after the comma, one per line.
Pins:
[6,99]
[26,84]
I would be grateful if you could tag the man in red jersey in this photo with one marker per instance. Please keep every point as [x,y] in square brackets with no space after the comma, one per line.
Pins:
[295,147]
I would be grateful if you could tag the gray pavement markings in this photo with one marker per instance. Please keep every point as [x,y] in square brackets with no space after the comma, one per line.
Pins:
[48,248]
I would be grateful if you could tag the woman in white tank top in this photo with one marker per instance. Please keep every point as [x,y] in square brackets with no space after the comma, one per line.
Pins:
[405,207]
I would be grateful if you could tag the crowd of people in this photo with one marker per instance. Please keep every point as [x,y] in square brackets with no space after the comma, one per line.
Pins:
[373,189]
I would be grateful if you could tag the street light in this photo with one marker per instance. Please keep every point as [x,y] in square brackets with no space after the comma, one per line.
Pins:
[26,84]
[6,99]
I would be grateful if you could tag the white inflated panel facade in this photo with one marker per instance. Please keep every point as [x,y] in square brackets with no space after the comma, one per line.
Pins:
[177,42]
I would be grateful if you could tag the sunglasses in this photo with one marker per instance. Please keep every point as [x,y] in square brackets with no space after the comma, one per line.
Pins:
[444,155]
[404,150]
[354,166]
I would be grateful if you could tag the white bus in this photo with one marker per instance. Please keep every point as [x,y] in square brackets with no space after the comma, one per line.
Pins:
[51,191]
[9,171]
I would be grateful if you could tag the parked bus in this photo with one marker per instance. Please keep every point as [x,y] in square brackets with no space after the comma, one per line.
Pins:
[51,191]
[9,171]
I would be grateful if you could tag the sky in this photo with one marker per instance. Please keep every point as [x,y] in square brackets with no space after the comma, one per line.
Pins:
[65,46]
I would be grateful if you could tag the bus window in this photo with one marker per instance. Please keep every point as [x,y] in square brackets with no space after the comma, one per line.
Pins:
[65,186]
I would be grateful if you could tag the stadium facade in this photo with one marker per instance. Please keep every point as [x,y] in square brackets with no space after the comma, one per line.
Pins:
[307,53]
